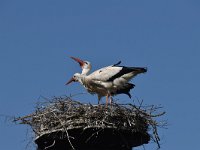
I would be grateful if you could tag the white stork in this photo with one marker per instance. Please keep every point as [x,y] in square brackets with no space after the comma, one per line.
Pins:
[108,81]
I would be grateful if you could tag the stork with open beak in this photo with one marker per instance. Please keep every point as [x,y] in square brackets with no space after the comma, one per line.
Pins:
[85,65]
[107,81]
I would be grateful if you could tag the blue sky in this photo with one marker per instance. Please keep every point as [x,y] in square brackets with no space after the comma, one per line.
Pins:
[37,37]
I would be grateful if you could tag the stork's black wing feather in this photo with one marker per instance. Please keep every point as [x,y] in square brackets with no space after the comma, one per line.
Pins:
[117,63]
[126,70]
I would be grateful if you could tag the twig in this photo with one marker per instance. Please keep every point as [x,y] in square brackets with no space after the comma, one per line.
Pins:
[65,131]
[50,145]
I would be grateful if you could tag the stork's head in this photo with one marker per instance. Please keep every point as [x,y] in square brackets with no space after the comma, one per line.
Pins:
[76,78]
[85,65]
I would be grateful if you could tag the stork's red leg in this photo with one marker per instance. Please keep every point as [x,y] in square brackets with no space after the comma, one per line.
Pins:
[107,99]
[111,99]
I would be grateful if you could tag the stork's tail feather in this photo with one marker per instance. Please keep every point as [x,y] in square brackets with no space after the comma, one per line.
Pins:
[139,69]
[126,89]
[129,95]
[130,86]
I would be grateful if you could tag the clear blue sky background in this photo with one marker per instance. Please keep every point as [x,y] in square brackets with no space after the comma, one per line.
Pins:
[36,38]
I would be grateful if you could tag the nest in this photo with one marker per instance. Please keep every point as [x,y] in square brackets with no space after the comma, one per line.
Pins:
[62,115]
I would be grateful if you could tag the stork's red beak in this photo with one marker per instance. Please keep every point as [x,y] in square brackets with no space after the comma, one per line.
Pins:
[81,62]
[70,81]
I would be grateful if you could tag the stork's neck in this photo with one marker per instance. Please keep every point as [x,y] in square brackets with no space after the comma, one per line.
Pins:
[84,80]
[85,71]
[81,79]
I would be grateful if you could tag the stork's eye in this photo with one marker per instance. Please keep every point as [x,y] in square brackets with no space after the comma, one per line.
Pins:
[86,62]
